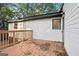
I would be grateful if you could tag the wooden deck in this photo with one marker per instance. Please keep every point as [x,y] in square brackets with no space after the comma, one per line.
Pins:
[36,48]
[27,46]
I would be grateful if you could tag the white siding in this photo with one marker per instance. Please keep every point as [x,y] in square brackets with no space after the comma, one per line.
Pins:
[19,26]
[42,29]
[11,26]
[71,23]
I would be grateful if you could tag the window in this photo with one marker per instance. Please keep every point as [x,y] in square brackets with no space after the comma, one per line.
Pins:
[15,25]
[56,24]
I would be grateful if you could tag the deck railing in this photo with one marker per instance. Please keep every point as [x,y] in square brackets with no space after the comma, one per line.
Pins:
[8,38]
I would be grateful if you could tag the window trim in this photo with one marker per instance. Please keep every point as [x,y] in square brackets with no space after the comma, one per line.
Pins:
[53,24]
[15,25]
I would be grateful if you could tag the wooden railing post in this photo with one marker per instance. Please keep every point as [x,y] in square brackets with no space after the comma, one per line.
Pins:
[14,38]
[0,38]
[30,35]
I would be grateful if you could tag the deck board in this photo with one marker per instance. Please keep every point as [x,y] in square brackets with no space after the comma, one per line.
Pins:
[27,48]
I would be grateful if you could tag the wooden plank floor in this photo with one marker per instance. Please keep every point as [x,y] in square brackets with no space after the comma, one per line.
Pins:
[36,48]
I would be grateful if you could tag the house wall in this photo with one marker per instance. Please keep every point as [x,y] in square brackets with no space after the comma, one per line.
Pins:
[11,26]
[42,29]
[71,28]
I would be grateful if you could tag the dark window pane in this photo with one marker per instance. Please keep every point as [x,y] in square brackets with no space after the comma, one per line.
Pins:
[15,25]
[56,24]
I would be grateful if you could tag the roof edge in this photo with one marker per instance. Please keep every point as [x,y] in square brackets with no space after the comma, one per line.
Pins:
[35,17]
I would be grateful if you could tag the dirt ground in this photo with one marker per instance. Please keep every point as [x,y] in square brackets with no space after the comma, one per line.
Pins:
[35,48]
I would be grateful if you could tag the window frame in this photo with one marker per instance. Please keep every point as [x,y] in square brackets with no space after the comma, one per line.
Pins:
[15,25]
[53,26]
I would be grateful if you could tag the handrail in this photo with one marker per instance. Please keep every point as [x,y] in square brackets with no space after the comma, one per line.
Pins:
[12,37]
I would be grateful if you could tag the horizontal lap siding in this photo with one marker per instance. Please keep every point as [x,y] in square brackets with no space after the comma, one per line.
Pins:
[71,35]
[11,26]
[42,29]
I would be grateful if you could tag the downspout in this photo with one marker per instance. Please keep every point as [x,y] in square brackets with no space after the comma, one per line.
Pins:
[62,23]
[61,10]
[63,28]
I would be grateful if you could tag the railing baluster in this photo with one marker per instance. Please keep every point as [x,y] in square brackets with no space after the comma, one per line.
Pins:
[0,38]
[8,38]
[3,40]
[13,37]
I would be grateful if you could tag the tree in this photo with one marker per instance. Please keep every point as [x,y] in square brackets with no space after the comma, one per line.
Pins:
[5,15]
[37,8]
